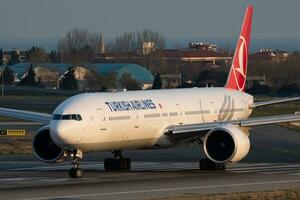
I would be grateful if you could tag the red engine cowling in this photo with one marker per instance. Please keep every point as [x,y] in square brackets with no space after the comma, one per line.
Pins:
[226,144]
[45,149]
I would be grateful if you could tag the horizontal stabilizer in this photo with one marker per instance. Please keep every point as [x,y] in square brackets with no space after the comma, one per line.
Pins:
[265,103]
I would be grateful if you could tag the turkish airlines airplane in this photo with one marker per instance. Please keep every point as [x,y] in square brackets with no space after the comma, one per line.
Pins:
[217,118]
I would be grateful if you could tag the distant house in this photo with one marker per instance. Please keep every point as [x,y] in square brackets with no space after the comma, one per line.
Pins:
[192,56]
[203,46]
[270,55]
[170,80]
[49,74]
[170,56]
[7,55]
[139,73]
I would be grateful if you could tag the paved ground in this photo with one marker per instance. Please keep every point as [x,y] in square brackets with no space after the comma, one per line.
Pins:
[273,162]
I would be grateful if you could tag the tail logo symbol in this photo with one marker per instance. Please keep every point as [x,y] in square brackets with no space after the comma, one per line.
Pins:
[240,66]
[238,71]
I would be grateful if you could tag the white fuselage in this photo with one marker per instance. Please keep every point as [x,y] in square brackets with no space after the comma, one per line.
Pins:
[137,119]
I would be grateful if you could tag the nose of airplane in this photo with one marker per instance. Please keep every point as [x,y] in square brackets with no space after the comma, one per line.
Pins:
[61,133]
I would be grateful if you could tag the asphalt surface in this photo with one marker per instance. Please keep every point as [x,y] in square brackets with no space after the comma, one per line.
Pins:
[273,163]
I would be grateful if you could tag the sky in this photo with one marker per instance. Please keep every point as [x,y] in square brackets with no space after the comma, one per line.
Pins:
[172,18]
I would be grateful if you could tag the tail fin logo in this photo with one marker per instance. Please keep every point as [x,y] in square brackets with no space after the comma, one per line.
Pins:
[238,72]
[240,63]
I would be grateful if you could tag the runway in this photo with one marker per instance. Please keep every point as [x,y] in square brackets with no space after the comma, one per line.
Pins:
[273,163]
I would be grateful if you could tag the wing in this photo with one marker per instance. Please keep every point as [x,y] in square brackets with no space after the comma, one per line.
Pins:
[27,115]
[265,103]
[192,130]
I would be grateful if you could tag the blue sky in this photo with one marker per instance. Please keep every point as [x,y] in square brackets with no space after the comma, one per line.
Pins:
[172,18]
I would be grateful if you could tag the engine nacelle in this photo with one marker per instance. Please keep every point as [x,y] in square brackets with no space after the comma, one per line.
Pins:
[45,149]
[226,144]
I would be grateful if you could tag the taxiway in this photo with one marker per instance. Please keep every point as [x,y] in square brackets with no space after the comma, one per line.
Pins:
[273,163]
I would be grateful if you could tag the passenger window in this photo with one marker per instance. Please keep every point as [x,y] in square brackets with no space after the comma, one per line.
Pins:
[66,117]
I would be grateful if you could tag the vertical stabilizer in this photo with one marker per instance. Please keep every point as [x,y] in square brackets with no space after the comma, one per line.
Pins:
[238,71]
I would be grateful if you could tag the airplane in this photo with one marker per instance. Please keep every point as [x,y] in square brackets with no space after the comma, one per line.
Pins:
[215,117]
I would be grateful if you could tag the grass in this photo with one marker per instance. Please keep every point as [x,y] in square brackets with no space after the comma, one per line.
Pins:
[290,194]
[9,119]
[16,145]
[276,109]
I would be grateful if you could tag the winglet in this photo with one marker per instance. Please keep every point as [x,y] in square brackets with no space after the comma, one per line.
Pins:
[238,72]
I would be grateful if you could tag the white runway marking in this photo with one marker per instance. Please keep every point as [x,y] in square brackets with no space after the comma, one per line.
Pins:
[165,190]
[12,179]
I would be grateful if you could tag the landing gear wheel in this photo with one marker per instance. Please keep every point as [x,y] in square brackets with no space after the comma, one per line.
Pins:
[207,164]
[75,172]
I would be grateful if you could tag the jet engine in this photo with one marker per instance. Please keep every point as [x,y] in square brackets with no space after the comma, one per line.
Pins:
[226,144]
[45,149]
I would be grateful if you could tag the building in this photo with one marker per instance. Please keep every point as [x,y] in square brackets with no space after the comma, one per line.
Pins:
[195,56]
[20,55]
[139,73]
[170,80]
[255,79]
[148,47]
[170,56]
[49,74]
[270,55]
[101,45]
[203,46]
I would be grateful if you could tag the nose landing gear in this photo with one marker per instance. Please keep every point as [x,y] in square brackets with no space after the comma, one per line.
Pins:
[75,171]
[118,162]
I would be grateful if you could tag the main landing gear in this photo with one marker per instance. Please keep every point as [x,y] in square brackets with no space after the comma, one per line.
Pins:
[118,162]
[75,171]
[207,164]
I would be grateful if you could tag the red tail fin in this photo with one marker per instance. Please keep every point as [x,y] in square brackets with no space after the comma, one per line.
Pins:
[238,72]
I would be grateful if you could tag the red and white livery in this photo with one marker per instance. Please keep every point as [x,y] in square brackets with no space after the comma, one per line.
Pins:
[217,118]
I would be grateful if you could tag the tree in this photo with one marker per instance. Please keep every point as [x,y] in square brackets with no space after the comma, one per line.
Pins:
[289,90]
[14,57]
[75,42]
[157,84]
[259,89]
[211,77]
[1,57]
[68,81]
[8,76]
[37,55]
[127,82]
[132,41]
[54,56]
[29,78]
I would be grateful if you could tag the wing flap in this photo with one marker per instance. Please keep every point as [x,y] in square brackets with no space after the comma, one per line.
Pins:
[26,115]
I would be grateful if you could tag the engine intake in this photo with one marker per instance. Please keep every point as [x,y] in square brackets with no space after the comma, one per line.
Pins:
[45,149]
[226,144]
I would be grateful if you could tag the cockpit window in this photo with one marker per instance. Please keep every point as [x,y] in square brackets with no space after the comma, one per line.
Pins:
[67,117]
